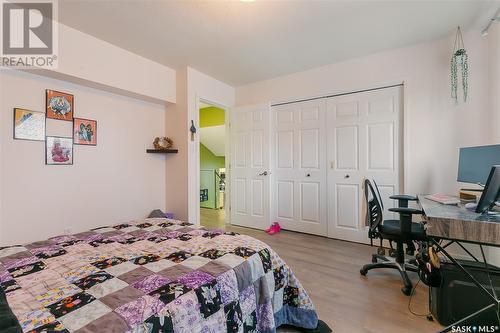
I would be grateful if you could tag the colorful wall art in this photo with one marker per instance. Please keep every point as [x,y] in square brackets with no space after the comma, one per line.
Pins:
[59,105]
[29,125]
[84,131]
[32,125]
[58,150]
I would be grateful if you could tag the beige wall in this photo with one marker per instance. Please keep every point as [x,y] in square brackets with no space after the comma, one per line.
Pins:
[177,170]
[113,182]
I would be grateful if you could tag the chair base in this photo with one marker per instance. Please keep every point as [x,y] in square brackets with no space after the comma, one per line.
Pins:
[407,265]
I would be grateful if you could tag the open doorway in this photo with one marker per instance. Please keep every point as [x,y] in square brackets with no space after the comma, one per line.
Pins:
[213,181]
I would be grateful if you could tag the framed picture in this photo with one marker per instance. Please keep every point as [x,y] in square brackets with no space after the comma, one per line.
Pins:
[29,125]
[58,150]
[84,131]
[59,105]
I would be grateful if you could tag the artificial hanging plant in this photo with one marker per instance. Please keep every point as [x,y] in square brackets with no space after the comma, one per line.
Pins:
[459,60]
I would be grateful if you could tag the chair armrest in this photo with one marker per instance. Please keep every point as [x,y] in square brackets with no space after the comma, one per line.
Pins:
[403,197]
[406,210]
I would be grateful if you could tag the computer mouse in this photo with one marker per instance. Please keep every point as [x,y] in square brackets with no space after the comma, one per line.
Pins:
[470,206]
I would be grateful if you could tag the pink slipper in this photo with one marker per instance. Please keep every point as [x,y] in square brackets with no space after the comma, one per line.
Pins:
[270,227]
[274,229]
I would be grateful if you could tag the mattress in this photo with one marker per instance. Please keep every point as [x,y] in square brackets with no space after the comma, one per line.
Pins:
[152,275]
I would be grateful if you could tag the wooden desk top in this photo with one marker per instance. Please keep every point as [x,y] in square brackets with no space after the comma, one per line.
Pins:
[458,223]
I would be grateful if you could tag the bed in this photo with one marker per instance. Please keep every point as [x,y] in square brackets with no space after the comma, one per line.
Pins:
[151,275]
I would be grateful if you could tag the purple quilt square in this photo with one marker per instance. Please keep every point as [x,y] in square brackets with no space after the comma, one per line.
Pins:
[137,311]
[195,279]
[150,283]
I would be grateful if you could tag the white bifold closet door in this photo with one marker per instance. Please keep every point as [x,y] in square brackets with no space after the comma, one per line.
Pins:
[249,166]
[298,163]
[364,140]
[321,151]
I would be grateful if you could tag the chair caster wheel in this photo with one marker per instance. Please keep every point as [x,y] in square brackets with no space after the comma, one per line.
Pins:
[374,259]
[381,251]
[393,253]
[406,291]
[363,271]
[430,318]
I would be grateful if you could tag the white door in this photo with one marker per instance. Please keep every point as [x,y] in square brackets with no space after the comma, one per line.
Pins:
[249,166]
[299,166]
[363,140]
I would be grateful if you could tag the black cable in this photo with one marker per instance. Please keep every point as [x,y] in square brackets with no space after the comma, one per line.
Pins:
[411,297]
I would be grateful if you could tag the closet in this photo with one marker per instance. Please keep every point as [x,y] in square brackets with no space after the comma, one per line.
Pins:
[319,152]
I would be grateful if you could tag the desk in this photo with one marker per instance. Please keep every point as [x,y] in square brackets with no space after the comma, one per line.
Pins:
[459,225]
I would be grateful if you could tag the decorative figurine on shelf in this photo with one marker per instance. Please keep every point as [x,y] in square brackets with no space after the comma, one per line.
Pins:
[163,143]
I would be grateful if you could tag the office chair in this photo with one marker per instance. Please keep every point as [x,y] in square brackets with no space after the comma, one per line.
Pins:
[402,231]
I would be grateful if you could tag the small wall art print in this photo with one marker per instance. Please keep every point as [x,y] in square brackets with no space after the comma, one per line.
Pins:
[84,131]
[59,105]
[29,125]
[58,150]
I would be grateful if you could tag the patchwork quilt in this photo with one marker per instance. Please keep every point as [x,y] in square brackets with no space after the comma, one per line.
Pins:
[152,275]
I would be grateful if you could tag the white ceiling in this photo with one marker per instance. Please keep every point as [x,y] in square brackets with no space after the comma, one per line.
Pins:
[214,138]
[242,42]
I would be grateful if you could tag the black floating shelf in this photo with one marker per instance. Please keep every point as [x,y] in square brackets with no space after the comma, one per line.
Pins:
[162,151]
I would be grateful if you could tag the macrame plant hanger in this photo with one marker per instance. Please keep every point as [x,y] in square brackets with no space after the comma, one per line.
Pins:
[459,60]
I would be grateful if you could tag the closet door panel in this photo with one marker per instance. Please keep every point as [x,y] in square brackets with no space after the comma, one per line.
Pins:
[299,167]
[363,141]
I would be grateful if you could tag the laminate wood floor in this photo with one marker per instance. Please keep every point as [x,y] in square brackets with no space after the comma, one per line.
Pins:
[212,218]
[345,300]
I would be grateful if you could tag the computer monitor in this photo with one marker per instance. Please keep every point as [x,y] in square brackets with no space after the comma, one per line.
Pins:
[491,191]
[475,163]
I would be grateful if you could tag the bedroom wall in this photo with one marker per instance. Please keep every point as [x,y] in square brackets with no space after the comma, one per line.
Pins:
[110,183]
[436,126]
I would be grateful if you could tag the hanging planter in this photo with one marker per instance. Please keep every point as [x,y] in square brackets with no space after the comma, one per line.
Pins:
[459,61]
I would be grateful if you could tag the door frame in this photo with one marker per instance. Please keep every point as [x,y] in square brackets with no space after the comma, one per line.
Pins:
[227,157]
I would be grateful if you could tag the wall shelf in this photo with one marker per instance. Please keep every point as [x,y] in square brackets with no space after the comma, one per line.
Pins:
[162,151]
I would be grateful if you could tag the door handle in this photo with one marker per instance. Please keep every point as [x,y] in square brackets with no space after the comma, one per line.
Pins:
[347,176]
[263,173]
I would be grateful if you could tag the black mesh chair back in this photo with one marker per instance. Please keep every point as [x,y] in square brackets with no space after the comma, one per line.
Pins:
[374,208]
